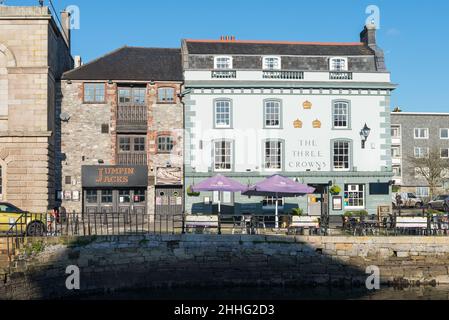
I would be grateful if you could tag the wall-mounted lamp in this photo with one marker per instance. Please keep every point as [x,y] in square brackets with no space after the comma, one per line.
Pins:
[392,182]
[100,161]
[110,82]
[364,134]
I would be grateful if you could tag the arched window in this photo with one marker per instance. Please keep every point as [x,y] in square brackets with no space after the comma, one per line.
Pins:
[338,64]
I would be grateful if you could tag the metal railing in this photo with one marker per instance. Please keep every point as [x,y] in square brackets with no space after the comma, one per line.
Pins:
[88,224]
[132,159]
[132,116]
[224,74]
[340,75]
[286,75]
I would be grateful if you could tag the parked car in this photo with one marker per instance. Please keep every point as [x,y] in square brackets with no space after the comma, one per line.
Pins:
[31,224]
[408,200]
[440,203]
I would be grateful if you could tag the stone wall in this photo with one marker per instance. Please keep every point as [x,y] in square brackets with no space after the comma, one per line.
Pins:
[83,143]
[29,42]
[139,262]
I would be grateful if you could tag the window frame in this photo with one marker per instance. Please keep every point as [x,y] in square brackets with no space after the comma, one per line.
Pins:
[441,134]
[158,143]
[441,153]
[331,64]
[264,155]
[265,64]
[226,100]
[132,94]
[420,194]
[348,114]
[279,102]
[350,154]
[216,64]
[400,170]
[85,84]
[132,144]
[421,138]
[159,101]
[231,157]
[348,191]
[398,128]
[421,156]
[398,155]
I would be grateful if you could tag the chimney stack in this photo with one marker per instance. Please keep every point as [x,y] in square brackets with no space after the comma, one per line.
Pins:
[368,35]
[78,61]
[65,22]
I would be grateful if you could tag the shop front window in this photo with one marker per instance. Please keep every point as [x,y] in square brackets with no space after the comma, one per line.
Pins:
[354,196]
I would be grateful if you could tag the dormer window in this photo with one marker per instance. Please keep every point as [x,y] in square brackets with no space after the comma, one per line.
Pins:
[338,64]
[223,63]
[271,63]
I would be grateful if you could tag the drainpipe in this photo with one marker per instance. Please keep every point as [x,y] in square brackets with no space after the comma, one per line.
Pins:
[181,97]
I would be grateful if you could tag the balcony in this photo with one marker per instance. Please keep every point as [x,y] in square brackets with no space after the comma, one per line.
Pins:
[132,159]
[285,75]
[224,74]
[132,118]
[340,75]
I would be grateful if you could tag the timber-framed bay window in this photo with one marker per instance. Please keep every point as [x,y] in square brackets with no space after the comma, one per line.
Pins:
[223,114]
[273,156]
[135,96]
[354,196]
[223,155]
[272,114]
[131,150]
[341,115]
[341,154]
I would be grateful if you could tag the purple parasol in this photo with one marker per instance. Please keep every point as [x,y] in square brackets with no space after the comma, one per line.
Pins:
[219,183]
[279,186]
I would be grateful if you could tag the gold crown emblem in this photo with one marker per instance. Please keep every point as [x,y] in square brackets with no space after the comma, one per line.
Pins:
[297,124]
[307,105]
[316,124]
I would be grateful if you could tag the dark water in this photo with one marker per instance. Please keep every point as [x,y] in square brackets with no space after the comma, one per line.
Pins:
[321,293]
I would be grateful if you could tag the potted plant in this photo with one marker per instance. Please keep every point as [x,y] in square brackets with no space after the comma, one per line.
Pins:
[297,212]
[335,190]
[191,193]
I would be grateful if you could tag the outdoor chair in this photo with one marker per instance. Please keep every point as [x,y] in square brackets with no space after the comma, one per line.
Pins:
[238,223]
[259,223]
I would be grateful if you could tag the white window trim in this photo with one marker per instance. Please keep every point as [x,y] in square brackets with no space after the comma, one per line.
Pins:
[350,159]
[399,131]
[348,116]
[419,194]
[420,138]
[331,60]
[441,131]
[400,171]
[230,62]
[398,156]
[263,166]
[421,157]
[279,126]
[364,198]
[272,57]
[222,126]
[214,155]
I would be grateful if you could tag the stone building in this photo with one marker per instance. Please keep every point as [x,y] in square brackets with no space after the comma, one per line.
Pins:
[414,135]
[258,108]
[121,132]
[34,53]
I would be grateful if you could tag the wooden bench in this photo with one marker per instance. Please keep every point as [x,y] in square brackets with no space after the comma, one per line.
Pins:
[201,222]
[412,223]
[302,223]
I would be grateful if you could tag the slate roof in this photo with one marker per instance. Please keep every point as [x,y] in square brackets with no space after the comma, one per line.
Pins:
[132,63]
[237,47]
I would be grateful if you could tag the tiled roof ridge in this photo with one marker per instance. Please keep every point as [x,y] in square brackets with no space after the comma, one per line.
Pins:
[278,42]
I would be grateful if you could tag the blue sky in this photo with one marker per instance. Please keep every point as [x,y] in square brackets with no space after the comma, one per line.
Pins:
[413,33]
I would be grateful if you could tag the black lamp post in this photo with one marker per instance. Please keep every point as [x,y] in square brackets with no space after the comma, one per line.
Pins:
[364,134]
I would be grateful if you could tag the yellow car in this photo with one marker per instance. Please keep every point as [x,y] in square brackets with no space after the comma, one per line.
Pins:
[22,222]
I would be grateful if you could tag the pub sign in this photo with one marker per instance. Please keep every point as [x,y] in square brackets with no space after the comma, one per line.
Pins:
[114,176]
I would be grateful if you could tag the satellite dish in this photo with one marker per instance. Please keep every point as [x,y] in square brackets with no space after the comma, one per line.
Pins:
[64,116]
